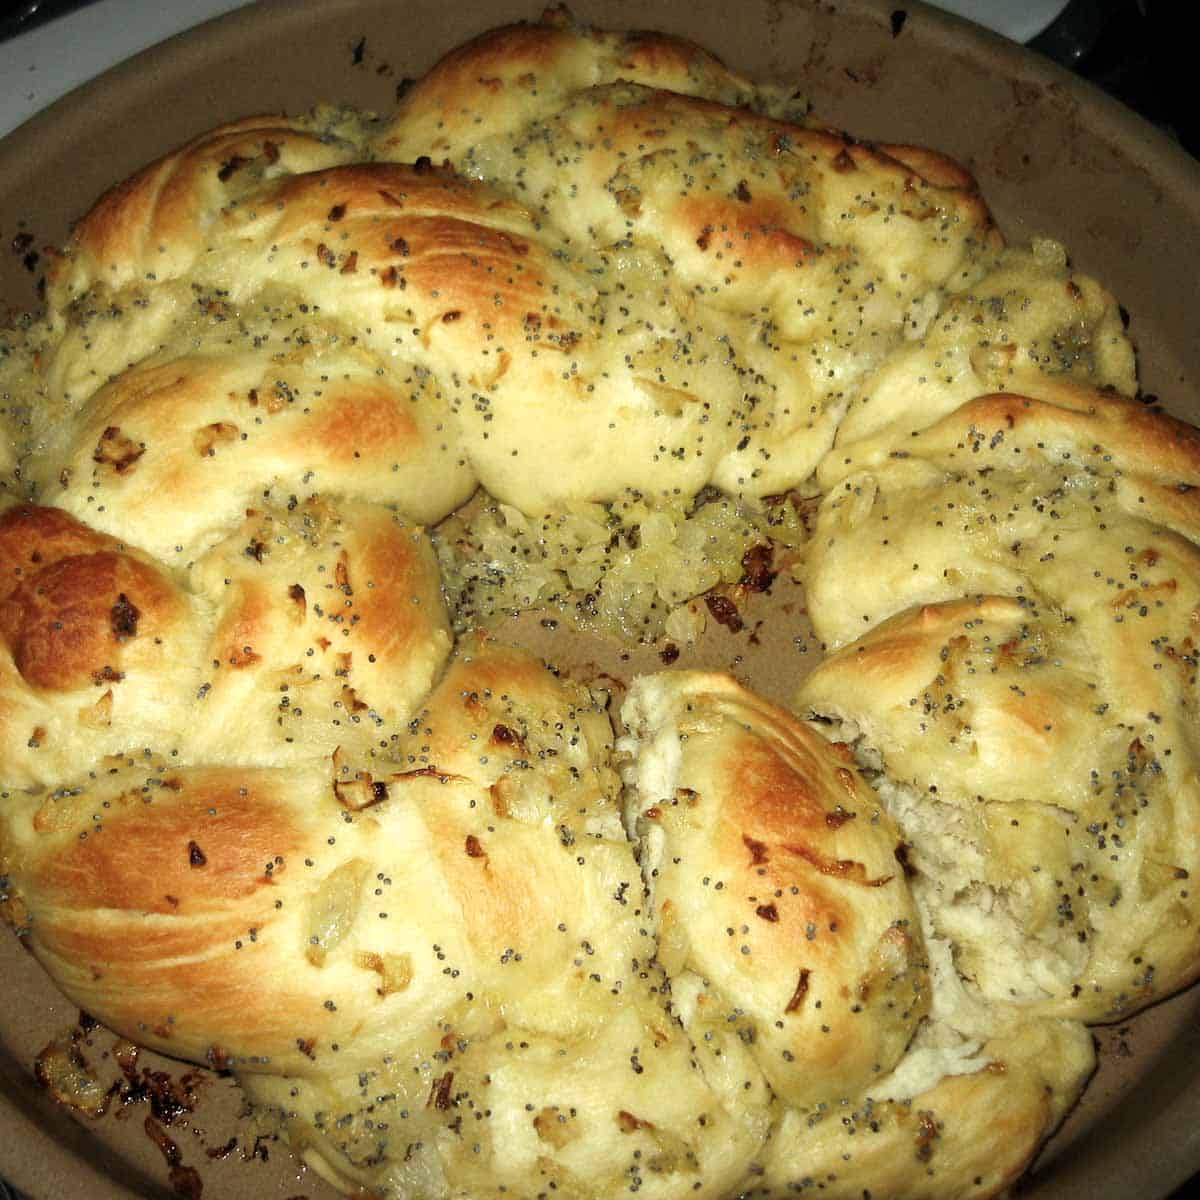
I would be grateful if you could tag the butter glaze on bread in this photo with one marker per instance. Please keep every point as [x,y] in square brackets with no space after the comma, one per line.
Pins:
[259,812]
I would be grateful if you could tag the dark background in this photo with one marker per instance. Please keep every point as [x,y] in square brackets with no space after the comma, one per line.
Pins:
[1135,50]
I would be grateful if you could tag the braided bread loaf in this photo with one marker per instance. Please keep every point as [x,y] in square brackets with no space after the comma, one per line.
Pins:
[261,810]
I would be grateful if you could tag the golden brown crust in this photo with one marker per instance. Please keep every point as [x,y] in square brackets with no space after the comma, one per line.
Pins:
[774,873]
[71,600]
[299,632]
[143,912]
[156,221]
[92,635]
[234,427]
[518,71]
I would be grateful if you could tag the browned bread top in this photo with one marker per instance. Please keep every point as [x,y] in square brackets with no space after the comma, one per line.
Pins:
[779,881]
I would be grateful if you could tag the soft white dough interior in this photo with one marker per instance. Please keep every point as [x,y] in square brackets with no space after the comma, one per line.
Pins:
[959,906]
[950,1041]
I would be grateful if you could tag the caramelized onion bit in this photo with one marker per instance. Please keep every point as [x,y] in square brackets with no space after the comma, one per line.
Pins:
[332,909]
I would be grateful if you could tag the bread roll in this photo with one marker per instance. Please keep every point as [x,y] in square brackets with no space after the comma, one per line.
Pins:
[781,888]
[1019,664]
[99,648]
[774,874]
[753,267]
[156,224]
[239,426]
[301,632]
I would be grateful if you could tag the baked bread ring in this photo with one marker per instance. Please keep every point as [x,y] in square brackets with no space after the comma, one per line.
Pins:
[261,809]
